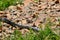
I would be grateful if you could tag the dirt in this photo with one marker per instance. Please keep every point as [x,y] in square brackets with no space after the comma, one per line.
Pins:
[32,14]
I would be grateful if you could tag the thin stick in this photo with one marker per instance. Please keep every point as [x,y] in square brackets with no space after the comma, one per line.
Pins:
[21,26]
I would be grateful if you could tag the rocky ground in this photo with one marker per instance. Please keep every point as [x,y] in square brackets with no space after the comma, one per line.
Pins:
[31,13]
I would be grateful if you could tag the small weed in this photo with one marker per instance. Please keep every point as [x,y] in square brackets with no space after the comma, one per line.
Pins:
[5,3]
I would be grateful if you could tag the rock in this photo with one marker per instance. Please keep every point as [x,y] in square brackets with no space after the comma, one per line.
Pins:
[31,14]
[26,2]
[19,7]
[24,21]
[37,22]
[4,28]
[24,31]
[0,34]
[9,16]
[12,7]
[43,0]
[2,13]
[13,28]
[9,31]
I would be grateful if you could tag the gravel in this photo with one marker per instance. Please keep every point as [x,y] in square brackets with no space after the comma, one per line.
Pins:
[32,14]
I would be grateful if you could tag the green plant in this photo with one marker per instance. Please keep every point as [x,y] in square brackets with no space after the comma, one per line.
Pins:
[36,0]
[46,34]
[5,3]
